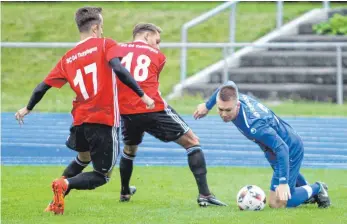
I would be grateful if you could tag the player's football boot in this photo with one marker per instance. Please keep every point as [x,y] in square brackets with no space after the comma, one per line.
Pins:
[322,198]
[126,197]
[311,200]
[49,207]
[205,201]
[59,187]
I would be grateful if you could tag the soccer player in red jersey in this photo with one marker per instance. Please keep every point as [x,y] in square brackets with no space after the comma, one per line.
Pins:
[88,68]
[144,60]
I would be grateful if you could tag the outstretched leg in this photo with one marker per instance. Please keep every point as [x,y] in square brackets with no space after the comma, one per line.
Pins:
[197,165]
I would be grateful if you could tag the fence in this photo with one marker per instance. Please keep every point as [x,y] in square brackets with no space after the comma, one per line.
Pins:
[224,46]
[227,47]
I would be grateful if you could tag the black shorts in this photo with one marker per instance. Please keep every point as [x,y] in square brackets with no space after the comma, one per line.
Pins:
[101,140]
[165,125]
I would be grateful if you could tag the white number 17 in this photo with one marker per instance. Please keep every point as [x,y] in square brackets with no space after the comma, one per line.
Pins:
[78,80]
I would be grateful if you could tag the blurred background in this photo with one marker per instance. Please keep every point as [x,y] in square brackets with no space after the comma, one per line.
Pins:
[299,60]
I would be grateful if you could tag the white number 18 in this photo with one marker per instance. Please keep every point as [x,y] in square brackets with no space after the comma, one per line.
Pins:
[142,64]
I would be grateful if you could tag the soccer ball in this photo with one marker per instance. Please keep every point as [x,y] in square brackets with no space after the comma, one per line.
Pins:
[251,198]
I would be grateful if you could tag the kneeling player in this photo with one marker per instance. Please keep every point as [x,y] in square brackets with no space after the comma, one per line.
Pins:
[282,146]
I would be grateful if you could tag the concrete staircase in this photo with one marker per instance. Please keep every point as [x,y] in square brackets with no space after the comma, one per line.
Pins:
[294,73]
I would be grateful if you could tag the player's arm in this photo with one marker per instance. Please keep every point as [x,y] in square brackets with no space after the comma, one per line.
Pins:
[203,108]
[267,136]
[36,96]
[112,56]
[55,78]
[125,77]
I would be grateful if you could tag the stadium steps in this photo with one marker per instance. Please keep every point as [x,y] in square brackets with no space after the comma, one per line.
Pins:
[316,75]
[311,38]
[274,91]
[292,59]
[308,39]
[286,72]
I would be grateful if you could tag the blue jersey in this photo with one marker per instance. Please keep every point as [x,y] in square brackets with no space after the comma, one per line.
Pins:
[276,138]
[259,124]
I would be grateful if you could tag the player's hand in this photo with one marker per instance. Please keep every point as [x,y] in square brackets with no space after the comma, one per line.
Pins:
[148,101]
[283,192]
[20,115]
[201,111]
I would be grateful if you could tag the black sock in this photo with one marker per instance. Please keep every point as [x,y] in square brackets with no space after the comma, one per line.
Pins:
[126,169]
[87,181]
[197,164]
[75,167]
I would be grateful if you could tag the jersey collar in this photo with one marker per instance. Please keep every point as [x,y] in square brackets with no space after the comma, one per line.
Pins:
[238,118]
[82,41]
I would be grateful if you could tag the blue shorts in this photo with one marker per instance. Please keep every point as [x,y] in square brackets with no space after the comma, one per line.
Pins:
[294,169]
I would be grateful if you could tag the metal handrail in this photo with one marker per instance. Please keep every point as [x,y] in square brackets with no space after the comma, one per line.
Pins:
[198,20]
[326,5]
[279,14]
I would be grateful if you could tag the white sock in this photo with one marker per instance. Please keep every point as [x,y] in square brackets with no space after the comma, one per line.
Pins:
[308,189]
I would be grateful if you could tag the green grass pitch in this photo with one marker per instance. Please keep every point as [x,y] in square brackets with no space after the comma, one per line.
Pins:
[165,195]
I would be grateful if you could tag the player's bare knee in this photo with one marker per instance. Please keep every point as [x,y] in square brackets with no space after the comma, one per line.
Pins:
[272,200]
[277,204]
[130,149]
[188,140]
[282,204]
[194,140]
[272,204]
[84,156]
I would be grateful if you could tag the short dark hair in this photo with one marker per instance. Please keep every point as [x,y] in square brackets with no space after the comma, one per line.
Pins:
[227,93]
[86,17]
[142,27]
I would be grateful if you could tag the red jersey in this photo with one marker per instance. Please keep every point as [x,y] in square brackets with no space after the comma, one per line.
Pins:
[85,67]
[145,64]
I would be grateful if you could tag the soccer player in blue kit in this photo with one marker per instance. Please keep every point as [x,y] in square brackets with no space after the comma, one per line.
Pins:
[282,146]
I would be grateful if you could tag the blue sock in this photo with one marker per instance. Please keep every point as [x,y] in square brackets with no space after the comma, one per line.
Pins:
[301,194]
[300,181]
[315,189]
